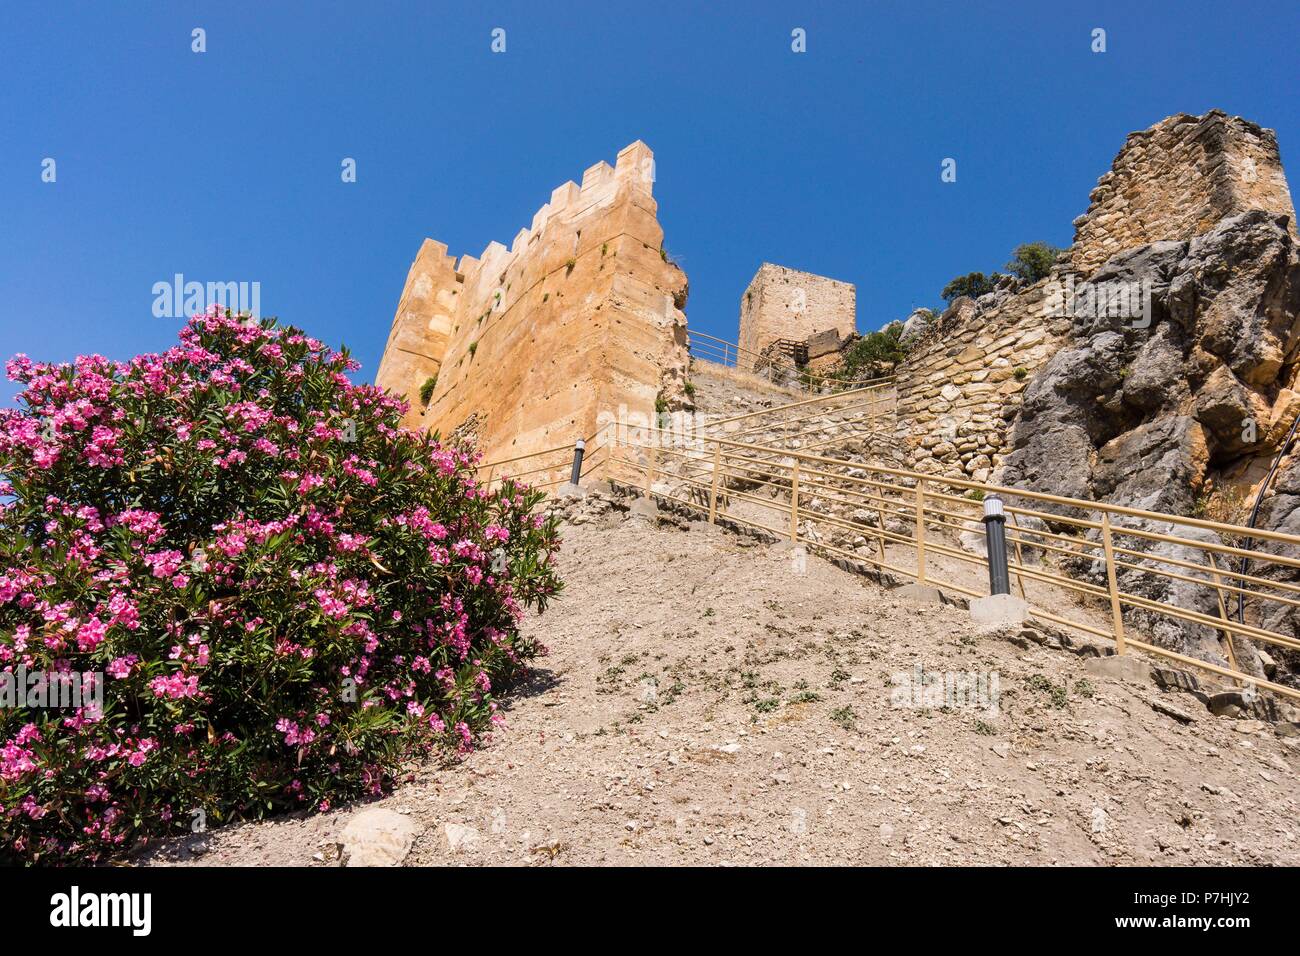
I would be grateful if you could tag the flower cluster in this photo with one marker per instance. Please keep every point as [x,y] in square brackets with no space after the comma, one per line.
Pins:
[288,595]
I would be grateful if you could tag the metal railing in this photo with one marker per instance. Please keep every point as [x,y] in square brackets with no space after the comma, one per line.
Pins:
[1071,555]
[778,371]
[545,468]
[806,420]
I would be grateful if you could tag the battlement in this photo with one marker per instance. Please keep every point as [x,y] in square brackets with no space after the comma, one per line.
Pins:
[634,168]
[578,312]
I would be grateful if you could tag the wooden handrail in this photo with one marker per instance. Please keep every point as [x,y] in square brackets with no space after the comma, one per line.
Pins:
[808,475]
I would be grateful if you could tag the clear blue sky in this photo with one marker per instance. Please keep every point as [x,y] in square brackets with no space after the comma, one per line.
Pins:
[225,165]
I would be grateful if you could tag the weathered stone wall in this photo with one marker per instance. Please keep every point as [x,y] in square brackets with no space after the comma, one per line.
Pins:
[422,325]
[961,384]
[1176,180]
[783,303]
[530,344]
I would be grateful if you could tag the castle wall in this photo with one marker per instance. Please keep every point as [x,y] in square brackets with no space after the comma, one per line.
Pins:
[581,314]
[960,386]
[1175,181]
[422,326]
[783,303]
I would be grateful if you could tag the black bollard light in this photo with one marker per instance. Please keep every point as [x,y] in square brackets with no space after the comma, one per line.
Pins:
[578,448]
[995,534]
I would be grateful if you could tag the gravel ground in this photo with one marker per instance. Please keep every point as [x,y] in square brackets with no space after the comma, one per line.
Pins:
[705,703]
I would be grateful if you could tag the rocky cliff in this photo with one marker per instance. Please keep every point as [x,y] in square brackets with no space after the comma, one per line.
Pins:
[1155,368]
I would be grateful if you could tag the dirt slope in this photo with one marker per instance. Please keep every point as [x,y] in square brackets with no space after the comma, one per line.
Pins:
[704,703]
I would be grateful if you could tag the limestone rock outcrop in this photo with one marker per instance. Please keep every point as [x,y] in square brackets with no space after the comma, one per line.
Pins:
[1141,414]
[1161,412]
[1280,511]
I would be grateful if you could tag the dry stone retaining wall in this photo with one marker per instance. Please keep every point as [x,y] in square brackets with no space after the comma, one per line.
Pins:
[960,386]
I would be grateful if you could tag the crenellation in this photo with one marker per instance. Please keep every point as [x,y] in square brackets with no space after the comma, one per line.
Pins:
[597,175]
[564,196]
[576,317]
[540,217]
[635,165]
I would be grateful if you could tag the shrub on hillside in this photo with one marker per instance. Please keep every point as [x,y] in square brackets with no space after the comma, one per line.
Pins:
[1032,261]
[873,355]
[972,284]
[286,596]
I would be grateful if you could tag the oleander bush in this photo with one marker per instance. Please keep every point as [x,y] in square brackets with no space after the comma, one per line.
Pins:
[285,595]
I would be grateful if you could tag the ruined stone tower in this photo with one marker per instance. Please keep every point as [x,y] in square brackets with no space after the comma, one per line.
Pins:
[524,347]
[961,388]
[1176,180]
[786,304]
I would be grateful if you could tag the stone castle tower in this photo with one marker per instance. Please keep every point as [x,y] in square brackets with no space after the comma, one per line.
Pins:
[783,304]
[524,347]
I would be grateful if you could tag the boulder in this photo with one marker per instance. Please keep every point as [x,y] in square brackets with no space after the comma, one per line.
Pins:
[378,837]
[1224,406]
[1157,466]
[914,327]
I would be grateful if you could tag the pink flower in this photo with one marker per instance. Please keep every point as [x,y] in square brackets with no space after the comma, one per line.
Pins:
[164,563]
[91,634]
[120,667]
[175,686]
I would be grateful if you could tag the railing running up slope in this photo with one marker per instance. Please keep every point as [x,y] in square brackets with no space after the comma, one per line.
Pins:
[820,501]
[866,413]
[805,421]
[837,505]
[546,468]
[779,371]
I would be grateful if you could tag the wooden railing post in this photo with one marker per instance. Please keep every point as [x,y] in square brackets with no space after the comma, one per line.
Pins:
[1223,610]
[794,502]
[1116,612]
[713,486]
[650,469]
[920,530]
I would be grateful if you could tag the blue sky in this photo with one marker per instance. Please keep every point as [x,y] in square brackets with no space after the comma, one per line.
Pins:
[225,166]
